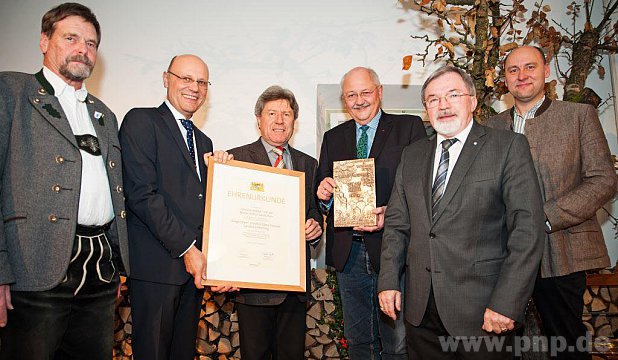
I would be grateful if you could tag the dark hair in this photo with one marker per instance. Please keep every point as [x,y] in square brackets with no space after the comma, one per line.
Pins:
[446,69]
[62,11]
[276,92]
[541,52]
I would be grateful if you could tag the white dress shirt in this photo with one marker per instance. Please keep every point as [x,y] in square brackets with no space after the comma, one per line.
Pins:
[454,151]
[183,131]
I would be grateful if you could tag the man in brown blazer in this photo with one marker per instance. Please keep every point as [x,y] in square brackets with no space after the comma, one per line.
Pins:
[576,176]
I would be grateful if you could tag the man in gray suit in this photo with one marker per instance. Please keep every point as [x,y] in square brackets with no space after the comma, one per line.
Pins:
[466,223]
[577,177]
[62,206]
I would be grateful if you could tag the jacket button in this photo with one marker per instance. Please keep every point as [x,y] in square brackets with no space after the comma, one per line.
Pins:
[428,269]
[200,196]
[123,214]
[118,188]
[36,100]
[42,91]
[59,159]
[56,188]
[432,235]
[112,164]
[52,218]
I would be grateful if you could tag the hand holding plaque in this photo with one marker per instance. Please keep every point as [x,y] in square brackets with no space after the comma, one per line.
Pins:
[355,194]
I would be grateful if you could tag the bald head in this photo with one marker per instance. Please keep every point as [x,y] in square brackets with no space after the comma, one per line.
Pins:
[528,49]
[186,81]
[362,93]
[189,57]
[361,71]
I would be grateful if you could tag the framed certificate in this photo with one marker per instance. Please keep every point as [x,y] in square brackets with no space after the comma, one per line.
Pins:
[254,227]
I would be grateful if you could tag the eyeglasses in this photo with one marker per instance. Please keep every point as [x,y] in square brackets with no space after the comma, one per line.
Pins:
[365,94]
[453,98]
[189,80]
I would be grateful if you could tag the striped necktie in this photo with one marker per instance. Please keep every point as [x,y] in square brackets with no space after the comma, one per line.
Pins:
[439,184]
[279,163]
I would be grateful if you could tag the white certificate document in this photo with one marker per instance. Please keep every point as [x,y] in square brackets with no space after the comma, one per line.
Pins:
[254,227]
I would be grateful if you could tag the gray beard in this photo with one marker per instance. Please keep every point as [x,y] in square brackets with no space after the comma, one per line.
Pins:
[446,129]
[78,73]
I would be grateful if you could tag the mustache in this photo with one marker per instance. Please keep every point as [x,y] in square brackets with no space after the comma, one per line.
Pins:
[361,106]
[80,58]
[445,113]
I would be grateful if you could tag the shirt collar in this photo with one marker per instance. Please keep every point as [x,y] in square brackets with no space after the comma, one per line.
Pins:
[177,115]
[59,85]
[373,124]
[461,137]
[269,147]
[530,113]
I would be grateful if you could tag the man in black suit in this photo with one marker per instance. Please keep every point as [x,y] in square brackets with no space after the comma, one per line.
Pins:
[272,323]
[165,181]
[355,252]
[465,221]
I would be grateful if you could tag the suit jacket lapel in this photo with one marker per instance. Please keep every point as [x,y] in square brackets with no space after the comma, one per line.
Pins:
[297,162]
[170,122]
[201,148]
[470,150]
[258,153]
[98,123]
[50,109]
[384,128]
[427,166]
[350,138]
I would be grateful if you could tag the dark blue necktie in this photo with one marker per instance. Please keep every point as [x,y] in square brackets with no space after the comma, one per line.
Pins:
[439,184]
[188,124]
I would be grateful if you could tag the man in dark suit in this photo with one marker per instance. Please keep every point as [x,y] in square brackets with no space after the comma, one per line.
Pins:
[466,222]
[272,323]
[576,176]
[64,226]
[355,252]
[165,180]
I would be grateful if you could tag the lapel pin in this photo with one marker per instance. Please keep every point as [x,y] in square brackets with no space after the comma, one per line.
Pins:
[474,143]
[99,116]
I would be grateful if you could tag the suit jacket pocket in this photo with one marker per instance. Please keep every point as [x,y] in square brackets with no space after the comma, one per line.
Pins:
[478,177]
[488,267]
[589,225]
[16,217]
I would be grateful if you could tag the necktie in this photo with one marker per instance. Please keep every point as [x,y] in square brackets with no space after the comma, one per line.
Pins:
[439,184]
[361,146]
[188,124]
[279,163]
